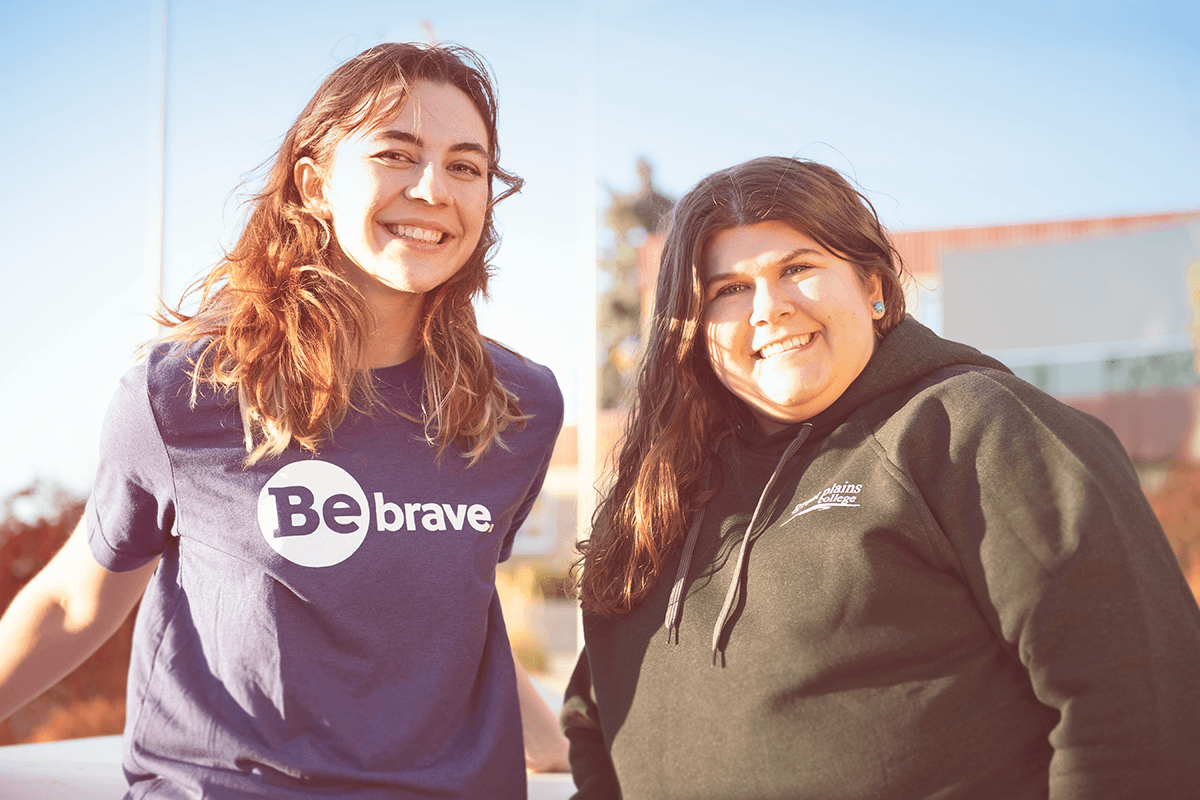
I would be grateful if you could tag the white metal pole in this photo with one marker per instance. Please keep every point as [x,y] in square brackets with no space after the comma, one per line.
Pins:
[156,184]
[588,318]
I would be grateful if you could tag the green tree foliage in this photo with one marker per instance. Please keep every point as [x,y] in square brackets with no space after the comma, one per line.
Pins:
[629,218]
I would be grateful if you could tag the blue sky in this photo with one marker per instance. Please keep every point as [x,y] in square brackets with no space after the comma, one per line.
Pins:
[946,114]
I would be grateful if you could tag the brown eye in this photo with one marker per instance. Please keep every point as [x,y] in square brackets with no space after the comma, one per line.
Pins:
[467,168]
[396,156]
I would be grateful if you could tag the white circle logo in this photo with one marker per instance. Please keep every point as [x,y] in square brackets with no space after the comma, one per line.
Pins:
[313,513]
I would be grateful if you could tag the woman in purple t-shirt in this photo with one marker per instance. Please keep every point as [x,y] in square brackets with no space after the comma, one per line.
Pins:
[312,478]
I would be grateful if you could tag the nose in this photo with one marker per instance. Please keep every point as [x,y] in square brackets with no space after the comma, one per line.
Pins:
[771,303]
[430,186]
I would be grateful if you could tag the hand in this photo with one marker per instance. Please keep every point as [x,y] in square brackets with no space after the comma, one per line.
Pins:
[545,746]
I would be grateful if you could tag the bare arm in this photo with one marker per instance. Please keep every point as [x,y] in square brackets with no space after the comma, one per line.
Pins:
[545,746]
[60,618]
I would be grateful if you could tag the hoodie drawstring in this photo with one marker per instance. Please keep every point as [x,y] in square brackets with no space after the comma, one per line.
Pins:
[737,571]
[674,605]
[674,608]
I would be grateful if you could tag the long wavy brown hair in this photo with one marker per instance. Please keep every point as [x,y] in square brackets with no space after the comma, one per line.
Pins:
[286,330]
[680,408]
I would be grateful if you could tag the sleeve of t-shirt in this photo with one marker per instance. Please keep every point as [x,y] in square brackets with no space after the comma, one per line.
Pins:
[522,512]
[549,415]
[131,509]
[1070,566]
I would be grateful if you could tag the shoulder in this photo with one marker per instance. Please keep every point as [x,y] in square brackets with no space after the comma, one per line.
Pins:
[534,385]
[167,367]
[180,405]
[161,375]
[968,413]
[974,395]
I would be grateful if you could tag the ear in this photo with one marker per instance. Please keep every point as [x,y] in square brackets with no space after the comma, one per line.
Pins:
[311,185]
[874,287]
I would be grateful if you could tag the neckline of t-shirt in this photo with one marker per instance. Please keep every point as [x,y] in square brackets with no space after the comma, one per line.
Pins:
[399,374]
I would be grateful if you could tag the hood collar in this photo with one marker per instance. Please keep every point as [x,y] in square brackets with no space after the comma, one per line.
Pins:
[907,354]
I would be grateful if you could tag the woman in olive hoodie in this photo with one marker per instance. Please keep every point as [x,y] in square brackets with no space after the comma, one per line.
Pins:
[845,558]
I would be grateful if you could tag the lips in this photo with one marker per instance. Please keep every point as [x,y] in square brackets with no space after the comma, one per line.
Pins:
[417,233]
[784,345]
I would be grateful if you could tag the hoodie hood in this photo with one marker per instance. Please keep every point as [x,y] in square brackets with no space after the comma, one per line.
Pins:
[906,355]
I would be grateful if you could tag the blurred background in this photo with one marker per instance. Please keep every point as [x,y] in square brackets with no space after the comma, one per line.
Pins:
[1038,163]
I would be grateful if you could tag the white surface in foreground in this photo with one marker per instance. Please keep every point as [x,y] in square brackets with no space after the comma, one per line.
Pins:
[76,769]
[90,769]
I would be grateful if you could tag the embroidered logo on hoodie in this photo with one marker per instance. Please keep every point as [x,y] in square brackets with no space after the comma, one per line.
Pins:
[840,495]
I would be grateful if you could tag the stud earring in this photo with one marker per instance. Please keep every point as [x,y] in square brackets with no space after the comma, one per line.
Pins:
[879,307]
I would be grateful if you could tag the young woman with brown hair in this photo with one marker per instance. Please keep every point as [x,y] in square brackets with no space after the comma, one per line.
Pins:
[845,558]
[312,478]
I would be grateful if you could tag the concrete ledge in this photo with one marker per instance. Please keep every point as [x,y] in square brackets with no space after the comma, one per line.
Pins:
[75,769]
[90,769]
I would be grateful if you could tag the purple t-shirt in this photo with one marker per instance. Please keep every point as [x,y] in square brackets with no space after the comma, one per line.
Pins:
[317,626]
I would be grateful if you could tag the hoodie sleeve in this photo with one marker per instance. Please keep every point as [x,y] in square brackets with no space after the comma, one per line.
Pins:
[1070,567]
[591,766]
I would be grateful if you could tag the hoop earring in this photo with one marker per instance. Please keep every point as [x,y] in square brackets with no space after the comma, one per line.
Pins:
[325,237]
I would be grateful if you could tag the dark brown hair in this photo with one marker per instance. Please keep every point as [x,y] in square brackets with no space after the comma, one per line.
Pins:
[680,408]
[287,330]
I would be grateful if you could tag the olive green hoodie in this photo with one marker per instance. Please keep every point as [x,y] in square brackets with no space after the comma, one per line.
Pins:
[954,588]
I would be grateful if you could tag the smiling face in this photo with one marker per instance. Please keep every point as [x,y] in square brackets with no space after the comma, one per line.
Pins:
[407,197]
[787,324]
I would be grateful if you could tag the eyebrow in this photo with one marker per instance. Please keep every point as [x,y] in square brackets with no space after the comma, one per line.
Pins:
[802,251]
[794,255]
[460,147]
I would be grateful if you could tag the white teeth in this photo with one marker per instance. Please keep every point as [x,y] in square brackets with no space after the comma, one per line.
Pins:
[791,343]
[413,232]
